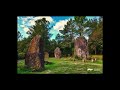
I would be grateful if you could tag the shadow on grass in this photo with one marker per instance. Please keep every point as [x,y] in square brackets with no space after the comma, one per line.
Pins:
[48,63]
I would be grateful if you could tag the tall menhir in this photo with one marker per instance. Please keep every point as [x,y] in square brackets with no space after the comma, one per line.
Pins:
[34,58]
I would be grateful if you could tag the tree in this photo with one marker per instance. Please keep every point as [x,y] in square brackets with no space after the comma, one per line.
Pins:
[22,47]
[67,38]
[69,30]
[42,28]
[96,37]
[58,39]
[19,35]
[77,27]
[80,25]
[53,45]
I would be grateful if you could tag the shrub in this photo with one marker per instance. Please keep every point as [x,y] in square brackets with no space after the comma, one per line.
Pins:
[78,58]
[21,55]
[99,57]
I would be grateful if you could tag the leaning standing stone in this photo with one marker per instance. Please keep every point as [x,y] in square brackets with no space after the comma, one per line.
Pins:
[35,56]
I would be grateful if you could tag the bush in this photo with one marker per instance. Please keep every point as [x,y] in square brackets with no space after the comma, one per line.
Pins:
[21,55]
[78,58]
[99,57]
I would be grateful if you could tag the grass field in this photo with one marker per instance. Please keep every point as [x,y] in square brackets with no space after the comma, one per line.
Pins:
[66,66]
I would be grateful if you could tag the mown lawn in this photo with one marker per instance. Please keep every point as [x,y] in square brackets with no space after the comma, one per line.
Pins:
[65,66]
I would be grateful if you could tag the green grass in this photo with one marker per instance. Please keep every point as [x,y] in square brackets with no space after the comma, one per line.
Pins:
[65,66]
[97,56]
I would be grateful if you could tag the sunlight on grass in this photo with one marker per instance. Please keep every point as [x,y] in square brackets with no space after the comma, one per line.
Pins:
[65,66]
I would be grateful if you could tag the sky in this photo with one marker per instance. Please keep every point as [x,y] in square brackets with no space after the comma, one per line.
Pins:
[58,22]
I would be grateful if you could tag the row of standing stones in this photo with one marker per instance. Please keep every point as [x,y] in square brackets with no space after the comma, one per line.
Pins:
[34,57]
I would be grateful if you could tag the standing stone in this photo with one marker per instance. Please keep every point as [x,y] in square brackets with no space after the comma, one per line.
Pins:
[81,48]
[57,52]
[35,56]
[46,56]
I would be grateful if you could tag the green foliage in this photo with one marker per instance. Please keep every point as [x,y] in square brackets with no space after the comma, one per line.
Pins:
[95,42]
[59,40]
[22,47]
[98,57]
[67,38]
[42,28]
[52,46]
[77,58]
[19,35]
[80,26]
[80,23]
[21,55]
